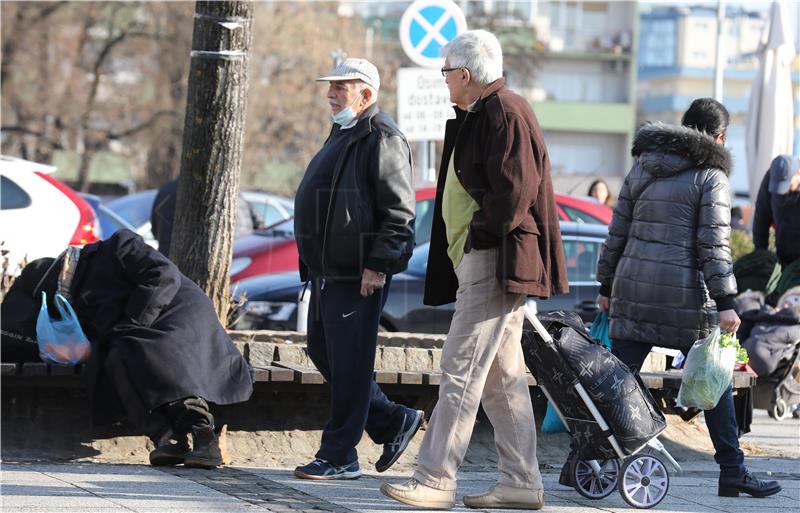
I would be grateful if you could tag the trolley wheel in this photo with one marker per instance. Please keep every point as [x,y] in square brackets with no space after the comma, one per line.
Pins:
[591,485]
[644,481]
[778,410]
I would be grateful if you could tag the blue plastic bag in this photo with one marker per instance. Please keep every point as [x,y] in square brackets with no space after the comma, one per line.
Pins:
[552,422]
[61,341]
[599,329]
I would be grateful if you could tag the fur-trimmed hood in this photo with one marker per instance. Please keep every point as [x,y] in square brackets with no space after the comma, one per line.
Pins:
[665,150]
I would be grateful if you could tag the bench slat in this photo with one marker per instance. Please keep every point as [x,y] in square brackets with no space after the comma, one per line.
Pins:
[259,375]
[410,378]
[279,374]
[61,370]
[384,377]
[8,369]
[434,378]
[303,375]
[34,369]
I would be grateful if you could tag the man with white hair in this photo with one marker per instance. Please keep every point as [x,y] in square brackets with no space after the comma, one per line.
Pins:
[354,224]
[495,240]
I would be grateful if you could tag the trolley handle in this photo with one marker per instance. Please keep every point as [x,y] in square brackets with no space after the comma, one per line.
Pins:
[530,313]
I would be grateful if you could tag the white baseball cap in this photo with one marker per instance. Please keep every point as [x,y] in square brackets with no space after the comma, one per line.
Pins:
[355,69]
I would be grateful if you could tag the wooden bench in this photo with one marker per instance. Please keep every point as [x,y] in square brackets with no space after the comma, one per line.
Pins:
[37,374]
[284,372]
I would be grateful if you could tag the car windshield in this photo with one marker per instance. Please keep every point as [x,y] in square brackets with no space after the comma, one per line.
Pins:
[579,216]
[581,256]
[282,229]
[134,208]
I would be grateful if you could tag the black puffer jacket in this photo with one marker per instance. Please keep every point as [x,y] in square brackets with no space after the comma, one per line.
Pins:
[667,260]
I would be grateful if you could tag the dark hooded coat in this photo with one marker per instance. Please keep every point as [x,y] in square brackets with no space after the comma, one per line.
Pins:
[150,323]
[666,263]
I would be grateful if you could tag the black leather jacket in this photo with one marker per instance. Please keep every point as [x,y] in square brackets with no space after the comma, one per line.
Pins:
[370,220]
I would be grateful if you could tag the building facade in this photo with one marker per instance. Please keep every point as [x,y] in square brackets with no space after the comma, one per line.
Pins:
[676,65]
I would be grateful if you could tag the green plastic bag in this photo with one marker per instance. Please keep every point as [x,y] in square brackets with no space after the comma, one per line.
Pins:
[707,372]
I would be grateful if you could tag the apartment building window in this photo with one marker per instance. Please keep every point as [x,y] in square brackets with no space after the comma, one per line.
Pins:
[657,47]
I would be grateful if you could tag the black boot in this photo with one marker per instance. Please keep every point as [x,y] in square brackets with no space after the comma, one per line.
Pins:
[208,451]
[747,483]
[170,450]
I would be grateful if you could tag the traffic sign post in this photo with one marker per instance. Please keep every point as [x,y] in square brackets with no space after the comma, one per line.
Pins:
[423,100]
[428,25]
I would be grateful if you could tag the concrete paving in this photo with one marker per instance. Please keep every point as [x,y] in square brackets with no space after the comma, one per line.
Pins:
[36,487]
[41,488]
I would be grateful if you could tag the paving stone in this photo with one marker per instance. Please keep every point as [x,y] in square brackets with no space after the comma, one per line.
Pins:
[436,357]
[393,358]
[418,359]
[293,353]
[261,354]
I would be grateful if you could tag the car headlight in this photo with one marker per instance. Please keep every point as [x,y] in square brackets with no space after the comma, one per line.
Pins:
[239,264]
[274,311]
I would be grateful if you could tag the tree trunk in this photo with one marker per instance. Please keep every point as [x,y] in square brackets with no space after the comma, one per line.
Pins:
[202,234]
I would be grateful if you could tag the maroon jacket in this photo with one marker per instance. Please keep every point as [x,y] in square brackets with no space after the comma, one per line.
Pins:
[501,160]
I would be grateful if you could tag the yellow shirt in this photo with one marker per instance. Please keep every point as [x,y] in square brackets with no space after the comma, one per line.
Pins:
[457,209]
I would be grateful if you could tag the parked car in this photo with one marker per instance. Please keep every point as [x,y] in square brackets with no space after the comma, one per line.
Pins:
[109,220]
[135,209]
[271,300]
[40,216]
[273,250]
[270,207]
[582,209]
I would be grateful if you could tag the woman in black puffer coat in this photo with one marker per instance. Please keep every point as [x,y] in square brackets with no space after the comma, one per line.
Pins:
[665,271]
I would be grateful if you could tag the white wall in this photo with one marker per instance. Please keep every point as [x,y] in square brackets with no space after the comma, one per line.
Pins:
[586,153]
[583,81]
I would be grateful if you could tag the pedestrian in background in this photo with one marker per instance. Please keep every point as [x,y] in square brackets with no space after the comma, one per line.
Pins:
[162,216]
[599,191]
[665,270]
[778,203]
[495,240]
[354,224]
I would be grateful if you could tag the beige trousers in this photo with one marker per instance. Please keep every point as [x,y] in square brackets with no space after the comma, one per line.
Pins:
[482,363]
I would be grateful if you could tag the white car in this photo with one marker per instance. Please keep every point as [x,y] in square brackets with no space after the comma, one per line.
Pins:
[271,207]
[40,216]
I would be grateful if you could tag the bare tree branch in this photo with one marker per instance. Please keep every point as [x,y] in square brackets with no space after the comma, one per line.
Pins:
[142,126]
[27,131]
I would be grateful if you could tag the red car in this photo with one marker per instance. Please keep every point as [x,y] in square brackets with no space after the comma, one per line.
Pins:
[273,249]
[582,210]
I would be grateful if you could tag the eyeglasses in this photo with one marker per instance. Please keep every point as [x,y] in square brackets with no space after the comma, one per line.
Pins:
[445,71]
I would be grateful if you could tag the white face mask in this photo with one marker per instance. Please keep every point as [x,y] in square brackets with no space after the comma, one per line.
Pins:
[346,115]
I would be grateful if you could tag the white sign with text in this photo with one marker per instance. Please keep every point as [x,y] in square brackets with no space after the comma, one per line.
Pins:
[423,104]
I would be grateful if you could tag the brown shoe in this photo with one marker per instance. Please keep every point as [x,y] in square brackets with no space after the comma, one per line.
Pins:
[506,497]
[414,493]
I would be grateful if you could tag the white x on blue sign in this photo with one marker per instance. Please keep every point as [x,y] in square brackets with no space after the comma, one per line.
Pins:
[428,25]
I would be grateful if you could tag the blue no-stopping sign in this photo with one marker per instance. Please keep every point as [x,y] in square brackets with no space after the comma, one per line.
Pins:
[428,25]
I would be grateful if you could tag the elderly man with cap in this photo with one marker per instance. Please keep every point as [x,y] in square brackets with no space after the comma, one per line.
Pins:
[778,203]
[354,224]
